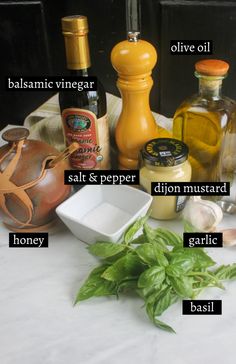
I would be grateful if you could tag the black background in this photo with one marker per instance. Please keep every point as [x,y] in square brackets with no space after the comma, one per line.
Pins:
[31,44]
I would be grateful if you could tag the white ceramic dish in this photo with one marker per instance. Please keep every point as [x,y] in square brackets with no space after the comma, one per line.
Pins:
[103,212]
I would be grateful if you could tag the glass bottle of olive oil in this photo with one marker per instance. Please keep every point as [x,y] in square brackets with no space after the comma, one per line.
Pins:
[228,165]
[201,121]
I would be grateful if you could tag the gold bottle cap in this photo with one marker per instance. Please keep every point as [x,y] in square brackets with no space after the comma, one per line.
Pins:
[75,30]
[75,24]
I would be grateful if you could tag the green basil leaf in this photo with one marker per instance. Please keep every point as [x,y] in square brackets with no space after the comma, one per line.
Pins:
[200,284]
[146,292]
[168,282]
[151,277]
[163,302]
[126,267]
[174,297]
[151,254]
[153,318]
[152,237]
[169,237]
[114,258]
[160,257]
[226,271]
[189,228]
[134,228]
[154,292]
[174,270]
[141,239]
[105,249]
[146,253]
[191,258]
[127,285]
[96,286]
[183,286]
[201,259]
[180,259]
[163,326]
[150,310]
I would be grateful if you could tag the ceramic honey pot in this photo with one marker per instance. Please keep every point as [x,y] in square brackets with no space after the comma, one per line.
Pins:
[31,185]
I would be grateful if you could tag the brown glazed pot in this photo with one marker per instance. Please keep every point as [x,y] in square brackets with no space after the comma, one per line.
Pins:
[29,190]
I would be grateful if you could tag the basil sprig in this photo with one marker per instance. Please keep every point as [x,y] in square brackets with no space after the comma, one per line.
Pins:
[156,266]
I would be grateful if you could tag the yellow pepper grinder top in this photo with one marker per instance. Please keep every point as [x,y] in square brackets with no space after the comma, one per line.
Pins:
[134,59]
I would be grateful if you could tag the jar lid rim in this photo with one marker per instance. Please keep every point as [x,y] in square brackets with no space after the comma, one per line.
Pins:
[164,152]
[15,134]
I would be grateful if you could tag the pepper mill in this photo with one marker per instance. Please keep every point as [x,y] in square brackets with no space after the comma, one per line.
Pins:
[134,59]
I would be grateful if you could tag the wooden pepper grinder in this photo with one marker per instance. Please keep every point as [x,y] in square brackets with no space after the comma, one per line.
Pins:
[134,59]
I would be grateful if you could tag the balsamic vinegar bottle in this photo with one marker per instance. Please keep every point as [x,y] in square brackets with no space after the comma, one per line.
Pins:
[83,113]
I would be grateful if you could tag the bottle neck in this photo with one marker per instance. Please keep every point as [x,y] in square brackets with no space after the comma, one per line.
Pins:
[81,73]
[210,86]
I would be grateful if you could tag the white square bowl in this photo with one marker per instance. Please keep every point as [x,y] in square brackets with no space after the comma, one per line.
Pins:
[103,212]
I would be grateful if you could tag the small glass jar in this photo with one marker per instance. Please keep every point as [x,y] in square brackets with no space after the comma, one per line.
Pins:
[165,160]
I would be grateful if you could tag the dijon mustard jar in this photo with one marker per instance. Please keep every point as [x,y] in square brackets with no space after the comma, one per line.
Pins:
[165,160]
[31,181]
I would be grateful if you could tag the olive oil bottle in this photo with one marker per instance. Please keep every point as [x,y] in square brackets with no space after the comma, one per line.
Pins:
[201,121]
[228,165]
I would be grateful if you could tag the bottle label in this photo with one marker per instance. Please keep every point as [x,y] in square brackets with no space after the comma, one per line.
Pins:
[82,126]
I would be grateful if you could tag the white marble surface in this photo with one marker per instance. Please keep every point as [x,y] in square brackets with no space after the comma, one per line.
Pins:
[39,325]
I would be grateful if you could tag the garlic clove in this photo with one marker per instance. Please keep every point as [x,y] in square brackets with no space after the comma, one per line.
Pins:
[229,237]
[203,214]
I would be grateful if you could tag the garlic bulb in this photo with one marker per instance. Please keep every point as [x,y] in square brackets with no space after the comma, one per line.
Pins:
[204,215]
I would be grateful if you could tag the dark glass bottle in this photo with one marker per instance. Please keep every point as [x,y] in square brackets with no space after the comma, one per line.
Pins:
[83,112]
